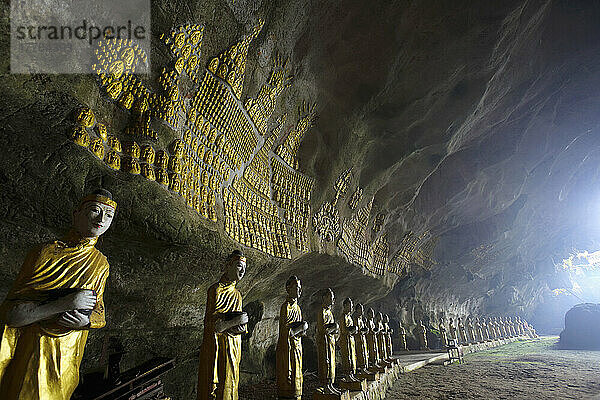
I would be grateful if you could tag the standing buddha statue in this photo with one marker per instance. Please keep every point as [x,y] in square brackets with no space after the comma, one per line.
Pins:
[224,323]
[443,334]
[327,331]
[56,298]
[289,344]
[362,351]
[422,334]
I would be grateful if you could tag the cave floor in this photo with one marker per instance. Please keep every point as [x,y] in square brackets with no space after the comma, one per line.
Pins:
[520,370]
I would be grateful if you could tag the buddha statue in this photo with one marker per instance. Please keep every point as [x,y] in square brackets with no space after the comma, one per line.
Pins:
[443,334]
[491,328]
[452,331]
[97,148]
[327,332]
[148,172]
[389,334]
[55,300]
[113,160]
[462,335]
[484,328]
[348,330]
[362,351]
[511,326]
[500,328]
[402,334]
[85,117]
[422,336]
[224,323]
[470,331]
[478,330]
[372,337]
[496,327]
[101,131]
[289,345]
[80,136]
[382,348]
[516,326]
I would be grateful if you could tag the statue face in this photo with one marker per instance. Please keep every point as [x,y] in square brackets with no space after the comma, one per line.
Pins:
[93,219]
[359,309]
[294,289]
[328,298]
[348,306]
[236,269]
[371,313]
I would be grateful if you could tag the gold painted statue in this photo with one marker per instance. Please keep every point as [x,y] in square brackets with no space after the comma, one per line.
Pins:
[402,334]
[372,342]
[327,331]
[362,350]
[452,331]
[224,323]
[443,334]
[462,336]
[470,331]
[348,330]
[382,347]
[422,332]
[289,345]
[56,298]
[389,332]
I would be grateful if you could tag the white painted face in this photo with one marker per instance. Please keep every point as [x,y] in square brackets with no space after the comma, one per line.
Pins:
[93,219]
[236,269]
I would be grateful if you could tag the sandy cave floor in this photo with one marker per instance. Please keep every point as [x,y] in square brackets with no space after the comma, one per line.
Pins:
[520,370]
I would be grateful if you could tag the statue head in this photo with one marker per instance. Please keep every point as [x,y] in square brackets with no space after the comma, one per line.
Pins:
[95,214]
[386,318]
[348,306]
[235,266]
[371,313]
[359,309]
[379,317]
[328,297]
[293,286]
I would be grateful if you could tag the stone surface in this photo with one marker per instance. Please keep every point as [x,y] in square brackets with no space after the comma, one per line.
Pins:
[582,328]
[475,122]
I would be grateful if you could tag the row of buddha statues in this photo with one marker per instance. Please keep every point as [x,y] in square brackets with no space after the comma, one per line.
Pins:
[482,329]
[473,330]
[58,297]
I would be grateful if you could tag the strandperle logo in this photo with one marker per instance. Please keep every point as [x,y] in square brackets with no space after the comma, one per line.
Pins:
[84,31]
[60,36]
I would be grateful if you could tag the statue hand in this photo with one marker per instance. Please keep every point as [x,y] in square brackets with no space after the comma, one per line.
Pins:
[83,299]
[243,319]
[73,319]
[237,329]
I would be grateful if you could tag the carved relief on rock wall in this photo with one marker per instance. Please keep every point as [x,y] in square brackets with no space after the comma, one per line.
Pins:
[414,251]
[224,163]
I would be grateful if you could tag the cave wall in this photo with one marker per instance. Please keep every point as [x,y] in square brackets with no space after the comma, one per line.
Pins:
[475,123]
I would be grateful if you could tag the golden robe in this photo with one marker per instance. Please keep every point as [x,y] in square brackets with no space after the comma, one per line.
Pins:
[372,343]
[362,351]
[41,360]
[382,342]
[326,347]
[220,353]
[289,352]
[347,345]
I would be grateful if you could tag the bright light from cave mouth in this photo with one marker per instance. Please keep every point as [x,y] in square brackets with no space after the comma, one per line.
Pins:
[583,271]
